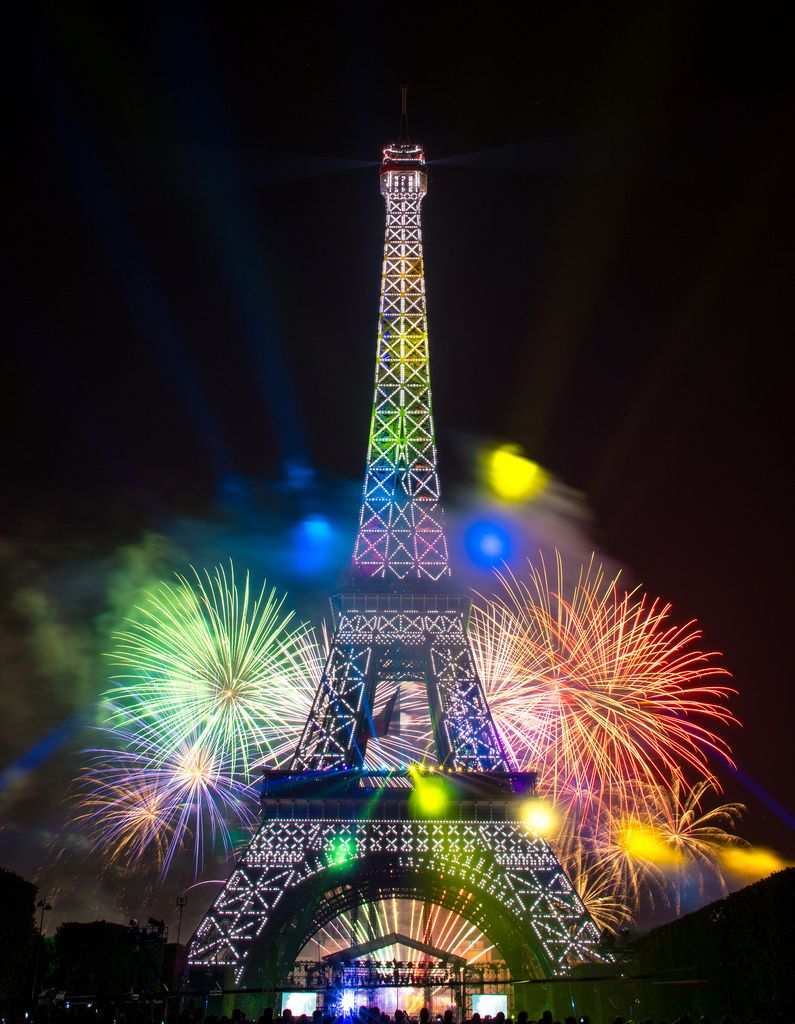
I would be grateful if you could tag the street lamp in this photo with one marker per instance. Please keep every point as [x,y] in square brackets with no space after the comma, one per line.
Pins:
[43,906]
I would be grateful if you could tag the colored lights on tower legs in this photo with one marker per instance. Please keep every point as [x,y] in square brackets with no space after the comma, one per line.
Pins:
[341,851]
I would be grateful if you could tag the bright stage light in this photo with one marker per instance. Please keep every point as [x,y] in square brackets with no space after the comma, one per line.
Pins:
[313,546]
[316,527]
[540,817]
[513,477]
[348,1000]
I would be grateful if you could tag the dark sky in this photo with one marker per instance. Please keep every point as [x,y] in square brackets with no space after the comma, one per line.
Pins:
[195,252]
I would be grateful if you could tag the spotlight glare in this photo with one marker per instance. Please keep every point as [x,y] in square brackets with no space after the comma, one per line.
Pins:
[753,863]
[513,477]
[540,817]
[644,842]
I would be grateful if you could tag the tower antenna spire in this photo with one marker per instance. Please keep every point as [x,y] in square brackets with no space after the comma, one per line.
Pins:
[404,117]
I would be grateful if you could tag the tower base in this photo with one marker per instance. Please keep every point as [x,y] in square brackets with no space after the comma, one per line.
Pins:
[313,859]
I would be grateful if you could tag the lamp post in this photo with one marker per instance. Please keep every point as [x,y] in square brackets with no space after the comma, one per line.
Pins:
[43,906]
[181,904]
[180,967]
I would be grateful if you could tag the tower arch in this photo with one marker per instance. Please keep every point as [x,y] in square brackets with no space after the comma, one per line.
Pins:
[312,905]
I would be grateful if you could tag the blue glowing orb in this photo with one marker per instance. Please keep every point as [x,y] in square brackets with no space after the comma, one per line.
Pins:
[487,543]
[313,545]
[316,528]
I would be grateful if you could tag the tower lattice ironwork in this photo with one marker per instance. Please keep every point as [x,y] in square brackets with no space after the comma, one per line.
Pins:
[398,622]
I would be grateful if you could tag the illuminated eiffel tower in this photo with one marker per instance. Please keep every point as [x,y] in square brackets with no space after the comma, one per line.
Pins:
[336,835]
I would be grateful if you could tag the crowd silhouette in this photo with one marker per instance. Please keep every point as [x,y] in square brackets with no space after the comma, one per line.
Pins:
[156,1013]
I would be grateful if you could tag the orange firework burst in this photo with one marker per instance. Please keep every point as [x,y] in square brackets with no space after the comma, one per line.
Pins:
[594,688]
[127,817]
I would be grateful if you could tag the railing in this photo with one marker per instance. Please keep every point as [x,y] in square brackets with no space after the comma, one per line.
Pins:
[363,600]
[349,793]
[318,974]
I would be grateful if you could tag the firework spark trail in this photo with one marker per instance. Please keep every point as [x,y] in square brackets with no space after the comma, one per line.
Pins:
[596,690]
[218,683]
[619,858]
[603,890]
[696,833]
[593,689]
[698,837]
[586,844]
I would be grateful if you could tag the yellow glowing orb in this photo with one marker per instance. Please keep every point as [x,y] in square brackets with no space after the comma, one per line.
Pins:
[642,842]
[430,795]
[755,862]
[433,798]
[540,817]
[513,477]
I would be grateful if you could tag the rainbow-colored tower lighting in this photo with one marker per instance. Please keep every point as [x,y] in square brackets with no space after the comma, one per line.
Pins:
[401,529]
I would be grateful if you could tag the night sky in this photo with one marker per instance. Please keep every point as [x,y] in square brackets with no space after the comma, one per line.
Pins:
[195,254]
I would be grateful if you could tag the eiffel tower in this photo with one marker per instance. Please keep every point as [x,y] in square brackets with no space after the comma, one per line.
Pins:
[335,833]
